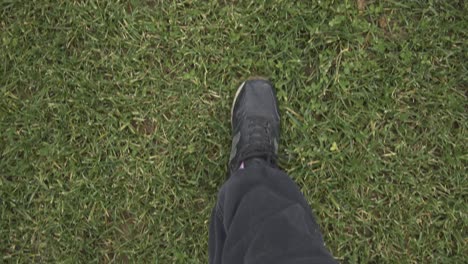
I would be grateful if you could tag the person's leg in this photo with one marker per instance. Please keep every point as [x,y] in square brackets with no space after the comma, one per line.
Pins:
[261,215]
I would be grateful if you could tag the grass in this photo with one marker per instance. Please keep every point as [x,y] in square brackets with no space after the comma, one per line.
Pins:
[114,122]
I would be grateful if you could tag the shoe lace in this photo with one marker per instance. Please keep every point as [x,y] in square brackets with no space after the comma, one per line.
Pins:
[261,144]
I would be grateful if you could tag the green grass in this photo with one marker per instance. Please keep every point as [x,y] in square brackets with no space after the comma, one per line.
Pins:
[114,124]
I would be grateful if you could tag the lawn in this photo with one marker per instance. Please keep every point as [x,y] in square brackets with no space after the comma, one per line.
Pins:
[115,134]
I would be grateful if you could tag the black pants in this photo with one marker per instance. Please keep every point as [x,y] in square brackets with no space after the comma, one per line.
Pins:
[262,217]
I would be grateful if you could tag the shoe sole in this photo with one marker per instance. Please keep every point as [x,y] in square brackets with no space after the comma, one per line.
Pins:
[238,92]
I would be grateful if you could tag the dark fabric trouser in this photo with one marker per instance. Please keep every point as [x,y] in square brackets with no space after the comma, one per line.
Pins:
[262,217]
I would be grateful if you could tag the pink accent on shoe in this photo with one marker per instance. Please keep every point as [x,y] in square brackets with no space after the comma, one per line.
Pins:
[242,165]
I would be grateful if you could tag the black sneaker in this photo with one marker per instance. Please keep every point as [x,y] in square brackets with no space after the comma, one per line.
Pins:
[255,124]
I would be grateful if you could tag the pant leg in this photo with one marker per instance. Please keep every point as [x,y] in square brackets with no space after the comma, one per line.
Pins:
[262,217]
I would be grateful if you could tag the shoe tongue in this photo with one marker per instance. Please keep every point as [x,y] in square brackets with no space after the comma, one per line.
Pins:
[256,161]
